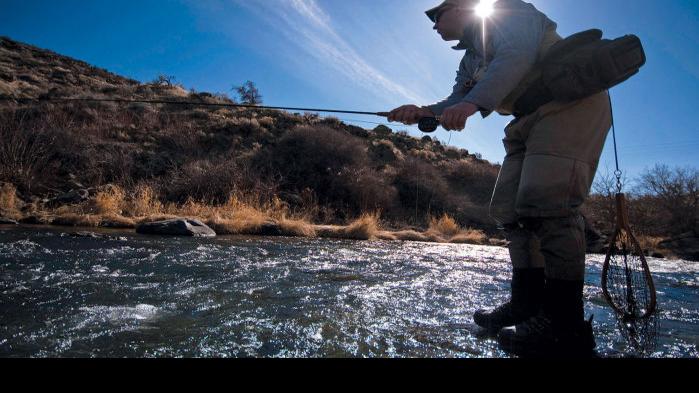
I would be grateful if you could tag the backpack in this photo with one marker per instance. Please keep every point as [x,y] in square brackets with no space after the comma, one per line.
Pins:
[580,66]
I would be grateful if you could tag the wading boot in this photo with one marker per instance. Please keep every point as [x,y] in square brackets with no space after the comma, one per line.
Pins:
[559,330]
[526,301]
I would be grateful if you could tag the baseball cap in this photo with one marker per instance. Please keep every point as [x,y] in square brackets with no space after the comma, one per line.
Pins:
[432,13]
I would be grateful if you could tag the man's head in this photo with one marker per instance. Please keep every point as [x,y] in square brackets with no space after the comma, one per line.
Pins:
[451,18]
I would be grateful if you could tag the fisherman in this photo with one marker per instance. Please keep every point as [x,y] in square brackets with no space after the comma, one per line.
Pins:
[552,155]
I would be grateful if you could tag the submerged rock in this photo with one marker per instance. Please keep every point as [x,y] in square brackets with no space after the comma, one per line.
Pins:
[176,227]
[7,221]
[87,234]
[93,235]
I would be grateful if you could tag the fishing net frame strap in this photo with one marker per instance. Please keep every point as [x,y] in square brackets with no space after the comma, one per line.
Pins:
[631,253]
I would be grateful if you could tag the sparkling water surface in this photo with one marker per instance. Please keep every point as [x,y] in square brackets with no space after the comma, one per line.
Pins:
[139,296]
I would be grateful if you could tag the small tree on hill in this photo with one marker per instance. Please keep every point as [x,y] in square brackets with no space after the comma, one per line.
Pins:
[164,80]
[249,95]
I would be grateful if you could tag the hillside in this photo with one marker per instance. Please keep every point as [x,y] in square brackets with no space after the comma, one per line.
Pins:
[315,168]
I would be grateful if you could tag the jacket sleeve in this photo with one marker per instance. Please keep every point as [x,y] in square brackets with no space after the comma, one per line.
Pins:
[515,39]
[459,91]
[457,96]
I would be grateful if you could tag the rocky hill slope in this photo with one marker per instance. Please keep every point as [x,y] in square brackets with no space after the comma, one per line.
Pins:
[323,168]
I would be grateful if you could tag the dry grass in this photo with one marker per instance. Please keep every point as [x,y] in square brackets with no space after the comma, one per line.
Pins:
[77,220]
[240,215]
[156,217]
[116,221]
[224,226]
[110,201]
[144,201]
[386,235]
[9,203]
[649,243]
[445,226]
[329,231]
[411,236]
[364,228]
[8,197]
[470,236]
[297,228]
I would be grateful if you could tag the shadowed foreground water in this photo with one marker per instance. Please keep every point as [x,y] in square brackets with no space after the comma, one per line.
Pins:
[137,296]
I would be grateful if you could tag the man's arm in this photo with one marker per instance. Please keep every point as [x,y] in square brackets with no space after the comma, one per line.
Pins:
[458,94]
[515,40]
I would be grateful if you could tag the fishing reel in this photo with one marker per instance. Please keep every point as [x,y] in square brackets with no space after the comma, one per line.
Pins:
[428,124]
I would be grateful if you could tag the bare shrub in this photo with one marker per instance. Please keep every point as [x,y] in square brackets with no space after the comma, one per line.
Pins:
[383,152]
[477,180]
[248,93]
[206,180]
[318,158]
[163,80]
[368,190]
[421,188]
[24,148]
[677,191]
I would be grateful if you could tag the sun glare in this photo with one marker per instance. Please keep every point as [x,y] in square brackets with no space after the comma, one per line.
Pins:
[485,8]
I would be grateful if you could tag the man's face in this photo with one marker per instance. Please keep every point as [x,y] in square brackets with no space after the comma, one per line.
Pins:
[451,23]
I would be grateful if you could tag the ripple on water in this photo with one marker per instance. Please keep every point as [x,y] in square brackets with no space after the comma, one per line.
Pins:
[115,314]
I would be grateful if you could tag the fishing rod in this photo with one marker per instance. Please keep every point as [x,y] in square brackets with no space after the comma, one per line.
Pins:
[425,124]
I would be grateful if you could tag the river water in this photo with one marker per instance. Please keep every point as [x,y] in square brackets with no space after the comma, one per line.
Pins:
[137,296]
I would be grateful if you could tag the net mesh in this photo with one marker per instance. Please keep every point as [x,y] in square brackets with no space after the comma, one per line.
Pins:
[630,291]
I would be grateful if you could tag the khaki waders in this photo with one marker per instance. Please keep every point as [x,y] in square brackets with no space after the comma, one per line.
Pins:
[552,157]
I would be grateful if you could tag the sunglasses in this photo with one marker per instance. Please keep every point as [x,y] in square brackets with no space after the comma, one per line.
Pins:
[444,10]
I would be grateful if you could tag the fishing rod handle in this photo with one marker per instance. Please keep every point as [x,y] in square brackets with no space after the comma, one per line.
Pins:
[425,124]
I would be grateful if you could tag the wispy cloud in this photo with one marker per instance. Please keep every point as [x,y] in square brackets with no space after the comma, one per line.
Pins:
[305,24]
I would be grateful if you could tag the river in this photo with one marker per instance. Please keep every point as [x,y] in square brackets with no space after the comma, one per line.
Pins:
[137,296]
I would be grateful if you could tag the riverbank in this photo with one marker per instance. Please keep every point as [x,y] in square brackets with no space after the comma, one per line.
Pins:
[111,207]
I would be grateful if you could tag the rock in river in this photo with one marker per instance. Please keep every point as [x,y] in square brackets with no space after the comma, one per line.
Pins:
[7,221]
[176,227]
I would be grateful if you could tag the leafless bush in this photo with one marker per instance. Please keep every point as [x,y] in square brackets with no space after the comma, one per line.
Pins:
[203,180]
[249,94]
[677,192]
[476,180]
[318,158]
[163,80]
[24,148]
[421,187]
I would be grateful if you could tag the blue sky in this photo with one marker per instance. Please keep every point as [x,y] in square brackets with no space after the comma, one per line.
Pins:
[369,55]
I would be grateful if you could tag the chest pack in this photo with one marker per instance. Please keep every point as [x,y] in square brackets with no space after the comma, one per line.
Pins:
[580,66]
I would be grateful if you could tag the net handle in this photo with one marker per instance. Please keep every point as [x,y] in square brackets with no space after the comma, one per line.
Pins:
[623,225]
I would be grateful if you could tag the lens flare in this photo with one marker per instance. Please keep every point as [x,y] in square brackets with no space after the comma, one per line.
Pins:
[485,8]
